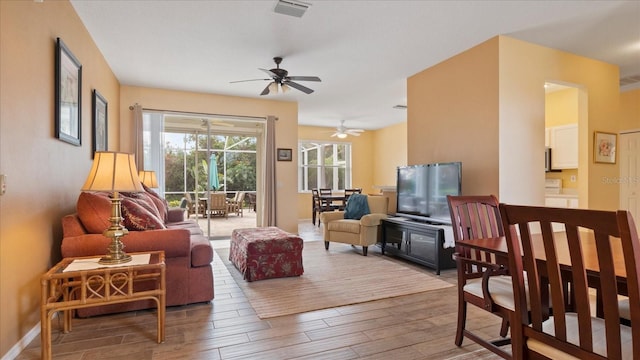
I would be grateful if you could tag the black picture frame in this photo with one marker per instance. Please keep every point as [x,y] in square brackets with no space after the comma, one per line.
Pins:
[284,154]
[100,122]
[68,95]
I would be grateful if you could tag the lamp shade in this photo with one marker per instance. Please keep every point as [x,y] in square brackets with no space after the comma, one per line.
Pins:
[112,171]
[148,177]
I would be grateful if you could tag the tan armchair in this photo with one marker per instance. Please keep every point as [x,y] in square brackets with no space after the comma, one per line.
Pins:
[363,232]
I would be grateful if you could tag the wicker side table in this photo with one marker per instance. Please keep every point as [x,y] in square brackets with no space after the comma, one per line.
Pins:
[68,290]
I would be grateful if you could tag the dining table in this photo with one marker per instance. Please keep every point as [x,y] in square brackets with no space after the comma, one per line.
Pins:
[498,247]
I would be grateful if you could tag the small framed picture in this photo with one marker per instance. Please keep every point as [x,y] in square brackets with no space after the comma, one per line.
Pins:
[99,122]
[284,154]
[68,86]
[604,147]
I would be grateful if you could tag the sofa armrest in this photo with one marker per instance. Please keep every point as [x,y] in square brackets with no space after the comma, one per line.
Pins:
[372,219]
[175,214]
[329,216]
[174,243]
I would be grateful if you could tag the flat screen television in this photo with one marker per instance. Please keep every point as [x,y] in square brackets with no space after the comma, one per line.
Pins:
[422,190]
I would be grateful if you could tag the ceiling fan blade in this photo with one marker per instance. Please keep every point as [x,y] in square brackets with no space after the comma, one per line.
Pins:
[270,73]
[238,81]
[266,90]
[304,89]
[304,78]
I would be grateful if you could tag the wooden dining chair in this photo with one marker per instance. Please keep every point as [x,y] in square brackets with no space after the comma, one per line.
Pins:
[584,252]
[481,280]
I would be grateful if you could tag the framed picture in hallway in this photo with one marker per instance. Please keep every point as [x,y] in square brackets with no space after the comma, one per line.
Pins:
[284,154]
[604,147]
[68,85]
[99,122]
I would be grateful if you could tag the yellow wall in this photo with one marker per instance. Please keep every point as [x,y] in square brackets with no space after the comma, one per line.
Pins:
[44,174]
[630,110]
[389,151]
[453,116]
[524,68]
[485,107]
[561,108]
[286,130]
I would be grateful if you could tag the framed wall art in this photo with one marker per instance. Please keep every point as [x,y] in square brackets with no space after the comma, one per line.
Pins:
[604,147]
[100,125]
[68,99]
[284,154]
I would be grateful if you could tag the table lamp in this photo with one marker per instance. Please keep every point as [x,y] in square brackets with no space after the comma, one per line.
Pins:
[114,172]
[148,177]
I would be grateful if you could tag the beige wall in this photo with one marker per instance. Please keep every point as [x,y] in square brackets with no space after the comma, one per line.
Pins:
[286,130]
[453,116]
[485,107]
[44,174]
[630,110]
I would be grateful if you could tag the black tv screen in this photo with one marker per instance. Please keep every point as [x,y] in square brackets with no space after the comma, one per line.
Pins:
[422,190]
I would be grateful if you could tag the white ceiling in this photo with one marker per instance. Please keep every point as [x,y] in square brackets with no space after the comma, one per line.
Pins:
[362,50]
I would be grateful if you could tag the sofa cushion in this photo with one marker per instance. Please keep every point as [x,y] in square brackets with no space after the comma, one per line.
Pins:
[357,206]
[346,225]
[137,215]
[94,210]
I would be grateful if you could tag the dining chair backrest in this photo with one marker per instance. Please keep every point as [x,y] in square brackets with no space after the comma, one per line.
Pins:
[324,191]
[589,241]
[474,217]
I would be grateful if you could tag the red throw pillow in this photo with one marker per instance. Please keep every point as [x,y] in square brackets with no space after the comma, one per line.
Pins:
[138,217]
[94,211]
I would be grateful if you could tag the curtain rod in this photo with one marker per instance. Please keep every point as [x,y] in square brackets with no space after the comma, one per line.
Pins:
[205,114]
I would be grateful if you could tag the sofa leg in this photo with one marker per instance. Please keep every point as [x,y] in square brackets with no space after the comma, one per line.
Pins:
[365,250]
[326,245]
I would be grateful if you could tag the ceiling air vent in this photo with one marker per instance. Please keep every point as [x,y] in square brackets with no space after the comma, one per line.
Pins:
[291,7]
[400,107]
[629,80]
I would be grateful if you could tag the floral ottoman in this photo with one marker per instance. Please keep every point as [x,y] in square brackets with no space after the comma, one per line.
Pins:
[265,253]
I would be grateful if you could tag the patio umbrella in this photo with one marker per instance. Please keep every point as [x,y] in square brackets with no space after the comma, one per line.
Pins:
[214,182]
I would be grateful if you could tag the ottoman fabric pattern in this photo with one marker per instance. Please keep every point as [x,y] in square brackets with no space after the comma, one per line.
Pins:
[265,253]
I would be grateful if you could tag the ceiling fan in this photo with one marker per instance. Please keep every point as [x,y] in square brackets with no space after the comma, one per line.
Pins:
[342,131]
[280,78]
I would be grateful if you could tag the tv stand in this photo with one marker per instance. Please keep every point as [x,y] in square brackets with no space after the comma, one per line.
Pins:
[417,241]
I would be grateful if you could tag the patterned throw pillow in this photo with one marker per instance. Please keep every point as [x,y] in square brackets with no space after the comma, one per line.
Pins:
[161,204]
[138,217]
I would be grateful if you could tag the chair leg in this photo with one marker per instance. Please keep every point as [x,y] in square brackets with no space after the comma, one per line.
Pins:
[365,249]
[313,217]
[326,245]
[504,328]
[462,319]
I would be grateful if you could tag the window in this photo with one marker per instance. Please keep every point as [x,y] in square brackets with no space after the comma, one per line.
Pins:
[324,165]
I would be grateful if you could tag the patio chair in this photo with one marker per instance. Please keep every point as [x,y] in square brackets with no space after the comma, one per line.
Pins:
[235,206]
[218,205]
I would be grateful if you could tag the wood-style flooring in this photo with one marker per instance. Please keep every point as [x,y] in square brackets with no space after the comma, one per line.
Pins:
[419,326]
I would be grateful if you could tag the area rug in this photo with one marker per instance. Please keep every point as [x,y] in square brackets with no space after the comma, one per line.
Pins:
[338,277]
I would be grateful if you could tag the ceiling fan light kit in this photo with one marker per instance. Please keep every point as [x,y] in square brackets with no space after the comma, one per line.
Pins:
[342,132]
[280,78]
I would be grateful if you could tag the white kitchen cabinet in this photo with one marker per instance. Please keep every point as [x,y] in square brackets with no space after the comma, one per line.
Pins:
[563,141]
[561,201]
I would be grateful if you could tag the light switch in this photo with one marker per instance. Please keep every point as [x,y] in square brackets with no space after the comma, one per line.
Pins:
[3,184]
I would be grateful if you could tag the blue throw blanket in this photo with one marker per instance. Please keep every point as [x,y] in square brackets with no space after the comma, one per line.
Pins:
[357,206]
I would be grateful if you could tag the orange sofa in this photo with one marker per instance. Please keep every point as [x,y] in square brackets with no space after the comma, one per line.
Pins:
[152,226]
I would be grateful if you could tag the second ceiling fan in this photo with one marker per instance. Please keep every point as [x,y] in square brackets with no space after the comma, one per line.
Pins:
[280,78]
